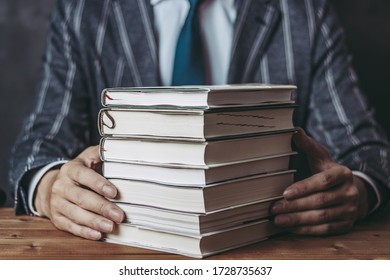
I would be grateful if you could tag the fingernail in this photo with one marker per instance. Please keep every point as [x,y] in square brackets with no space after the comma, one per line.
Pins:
[288,193]
[109,191]
[282,220]
[106,226]
[116,215]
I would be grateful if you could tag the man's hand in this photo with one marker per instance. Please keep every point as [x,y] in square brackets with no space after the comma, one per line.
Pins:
[329,202]
[72,197]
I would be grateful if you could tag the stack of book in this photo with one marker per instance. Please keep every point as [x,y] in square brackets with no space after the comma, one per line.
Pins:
[196,168]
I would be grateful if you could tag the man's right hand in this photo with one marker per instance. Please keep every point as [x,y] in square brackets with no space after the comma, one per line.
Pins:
[72,197]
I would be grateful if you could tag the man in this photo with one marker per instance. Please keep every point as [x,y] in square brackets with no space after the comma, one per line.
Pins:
[99,44]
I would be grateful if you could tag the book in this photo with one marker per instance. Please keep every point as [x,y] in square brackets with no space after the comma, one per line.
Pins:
[195,153]
[197,246]
[194,175]
[197,168]
[194,123]
[203,198]
[196,223]
[202,97]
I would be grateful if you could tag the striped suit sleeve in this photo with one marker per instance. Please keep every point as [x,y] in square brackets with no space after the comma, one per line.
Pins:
[339,116]
[56,128]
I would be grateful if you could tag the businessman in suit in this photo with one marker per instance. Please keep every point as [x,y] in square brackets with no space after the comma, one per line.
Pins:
[97,44]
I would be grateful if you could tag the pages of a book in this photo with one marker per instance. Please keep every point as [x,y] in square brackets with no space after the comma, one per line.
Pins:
[194,223]
[198,96]
[197,246]
[204,198]
[194,124]
[195,175]
[196,153]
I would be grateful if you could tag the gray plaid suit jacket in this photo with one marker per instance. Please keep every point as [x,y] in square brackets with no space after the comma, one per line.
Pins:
[95,44]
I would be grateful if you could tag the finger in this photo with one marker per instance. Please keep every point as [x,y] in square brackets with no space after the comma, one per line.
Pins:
[317,155]
[85,176]
[322,181]
[83,217]
[344,194]
[63,223]
[317,217]
[90,157]
[88,200]
[337,227]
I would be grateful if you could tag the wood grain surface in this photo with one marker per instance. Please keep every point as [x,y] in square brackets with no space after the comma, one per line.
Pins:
[25,237]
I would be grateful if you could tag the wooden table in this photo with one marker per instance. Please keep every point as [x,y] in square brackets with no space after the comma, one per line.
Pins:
[25,237]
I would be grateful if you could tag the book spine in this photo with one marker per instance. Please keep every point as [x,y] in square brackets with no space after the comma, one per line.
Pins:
[102,149]
[103,97]
[105,119]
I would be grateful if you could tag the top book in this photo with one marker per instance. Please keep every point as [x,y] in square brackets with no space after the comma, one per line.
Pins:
[198,96]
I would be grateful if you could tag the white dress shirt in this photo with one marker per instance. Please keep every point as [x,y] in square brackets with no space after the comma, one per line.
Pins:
[217,18]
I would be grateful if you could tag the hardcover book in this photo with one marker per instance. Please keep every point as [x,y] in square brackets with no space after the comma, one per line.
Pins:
[197,246]
[199,96]
[196,223]
[203,198]
[195,153]
[194,124]
[197,168]
[186,175]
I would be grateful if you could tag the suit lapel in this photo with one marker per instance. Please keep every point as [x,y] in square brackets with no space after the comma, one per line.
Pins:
[255,22]
[135,22]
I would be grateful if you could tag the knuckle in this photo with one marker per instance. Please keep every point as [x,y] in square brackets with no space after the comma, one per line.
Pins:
[69,192]
[321,199]
[77,174]
[72,170]
[83,232]
[295,220]
[89,154]
[353,194]
[80,200]
[95,223]
[56,188]
[324,179]
[104,208]
[65,168]
[289,220]
[300,187]
[99,185]
[346,172]
[77,231]
[324,216]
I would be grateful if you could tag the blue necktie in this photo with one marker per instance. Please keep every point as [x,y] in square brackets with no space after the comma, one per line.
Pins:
[188,68]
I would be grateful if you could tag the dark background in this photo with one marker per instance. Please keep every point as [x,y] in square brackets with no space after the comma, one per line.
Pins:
[24,24]
[23,28]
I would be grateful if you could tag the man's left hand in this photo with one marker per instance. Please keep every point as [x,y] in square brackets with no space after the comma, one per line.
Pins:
[328,202]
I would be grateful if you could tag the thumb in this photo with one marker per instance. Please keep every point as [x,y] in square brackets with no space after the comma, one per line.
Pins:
[91,157]
[318,156]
